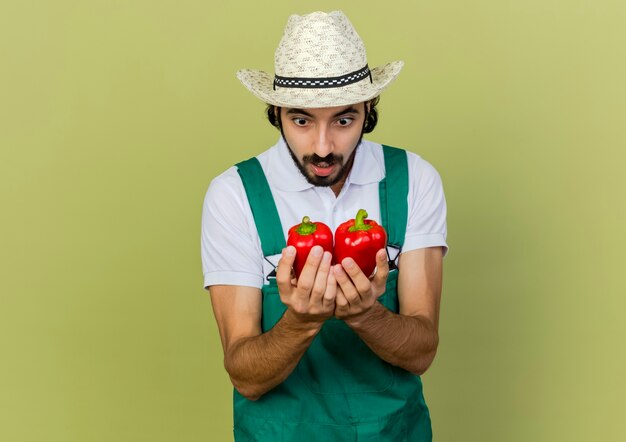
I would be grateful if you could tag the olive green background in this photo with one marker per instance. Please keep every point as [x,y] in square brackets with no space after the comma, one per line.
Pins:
[115,115]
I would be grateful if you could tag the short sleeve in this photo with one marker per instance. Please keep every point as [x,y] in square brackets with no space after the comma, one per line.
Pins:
[230,247]
[426,225]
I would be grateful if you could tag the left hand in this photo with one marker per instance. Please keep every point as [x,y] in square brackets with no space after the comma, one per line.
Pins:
[356,293]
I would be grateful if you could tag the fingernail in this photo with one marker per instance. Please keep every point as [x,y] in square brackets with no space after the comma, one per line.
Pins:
[317,251]
[327,257]
[291,250]
[348,263]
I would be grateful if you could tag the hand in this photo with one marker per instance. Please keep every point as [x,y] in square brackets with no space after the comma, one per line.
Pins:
[357,293]
[312,297]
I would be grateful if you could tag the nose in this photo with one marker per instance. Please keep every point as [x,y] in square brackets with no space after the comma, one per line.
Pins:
[323,142]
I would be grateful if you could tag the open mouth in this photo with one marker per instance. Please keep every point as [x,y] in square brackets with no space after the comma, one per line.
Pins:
[322,169]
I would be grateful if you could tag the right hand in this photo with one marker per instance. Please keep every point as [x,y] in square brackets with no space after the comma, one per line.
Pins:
[312,297]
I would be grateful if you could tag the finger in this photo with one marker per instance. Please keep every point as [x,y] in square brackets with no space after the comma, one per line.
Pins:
[382,268]
[321,279]
[328,300]
[346,285]
[341,303]
[359,279]
[283,271]
[307,276]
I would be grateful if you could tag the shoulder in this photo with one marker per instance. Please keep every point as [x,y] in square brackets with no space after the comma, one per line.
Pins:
[420,170]
[224,186]
[229,184]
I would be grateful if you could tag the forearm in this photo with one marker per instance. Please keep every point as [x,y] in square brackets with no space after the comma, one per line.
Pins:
[409,342]
[258,364]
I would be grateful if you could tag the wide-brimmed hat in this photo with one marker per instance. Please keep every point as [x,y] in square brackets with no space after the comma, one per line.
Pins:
[320,62]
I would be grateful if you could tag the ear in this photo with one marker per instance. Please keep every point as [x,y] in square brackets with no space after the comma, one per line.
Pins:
[277,112]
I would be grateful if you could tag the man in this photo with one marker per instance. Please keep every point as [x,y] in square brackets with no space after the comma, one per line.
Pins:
[336,354]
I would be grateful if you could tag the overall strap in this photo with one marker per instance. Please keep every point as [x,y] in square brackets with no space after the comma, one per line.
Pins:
[263,207]
[393,191]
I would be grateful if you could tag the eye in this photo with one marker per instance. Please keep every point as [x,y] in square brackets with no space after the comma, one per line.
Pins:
[299,121]
[345,121]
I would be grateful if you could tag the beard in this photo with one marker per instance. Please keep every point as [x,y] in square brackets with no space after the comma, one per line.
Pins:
[343,169]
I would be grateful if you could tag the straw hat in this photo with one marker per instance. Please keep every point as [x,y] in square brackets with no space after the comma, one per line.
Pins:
[319,62]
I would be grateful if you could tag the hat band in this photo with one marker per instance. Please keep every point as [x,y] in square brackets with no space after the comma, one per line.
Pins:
[327,82]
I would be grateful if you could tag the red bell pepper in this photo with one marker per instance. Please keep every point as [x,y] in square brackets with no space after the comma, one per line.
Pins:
[306,235]
[360,239]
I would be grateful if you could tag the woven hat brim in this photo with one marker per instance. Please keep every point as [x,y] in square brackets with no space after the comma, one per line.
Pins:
[261,84]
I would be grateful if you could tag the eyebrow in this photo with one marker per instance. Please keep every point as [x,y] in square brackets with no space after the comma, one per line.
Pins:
[348,110]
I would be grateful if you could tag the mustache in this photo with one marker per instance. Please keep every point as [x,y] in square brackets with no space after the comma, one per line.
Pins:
[327,161]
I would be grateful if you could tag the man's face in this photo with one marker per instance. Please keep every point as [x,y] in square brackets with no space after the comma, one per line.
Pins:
[323,141]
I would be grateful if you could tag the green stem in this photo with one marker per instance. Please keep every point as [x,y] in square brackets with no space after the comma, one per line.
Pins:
[358,222]
[307,227]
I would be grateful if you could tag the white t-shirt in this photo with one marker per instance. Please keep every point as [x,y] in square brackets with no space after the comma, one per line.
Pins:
[231,247]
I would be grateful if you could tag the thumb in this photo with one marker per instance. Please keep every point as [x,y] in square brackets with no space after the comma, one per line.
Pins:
[283,271]
[382,267]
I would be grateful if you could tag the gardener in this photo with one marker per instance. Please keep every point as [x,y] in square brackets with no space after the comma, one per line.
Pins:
[336,354]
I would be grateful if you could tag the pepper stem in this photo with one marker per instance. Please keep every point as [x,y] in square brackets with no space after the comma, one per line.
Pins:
[359,223]
[307,227]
